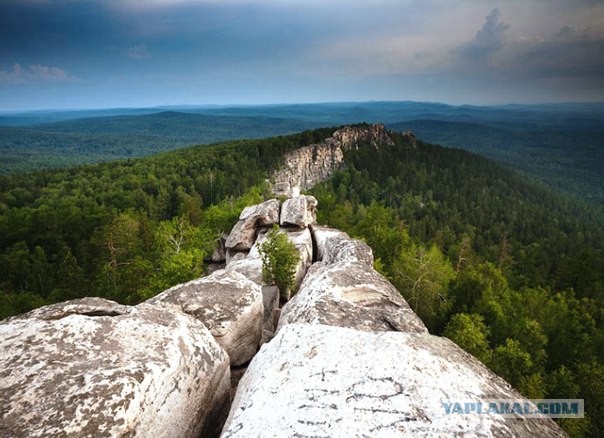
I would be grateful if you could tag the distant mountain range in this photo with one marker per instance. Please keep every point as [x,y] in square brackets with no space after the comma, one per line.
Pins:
[562,145]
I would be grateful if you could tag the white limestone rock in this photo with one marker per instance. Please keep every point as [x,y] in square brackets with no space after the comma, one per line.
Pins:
[300,211]
[249,264]
[243,234]
[323,381]
[230,306]
[351,295]
[92,367]
[336,246]
[309,165]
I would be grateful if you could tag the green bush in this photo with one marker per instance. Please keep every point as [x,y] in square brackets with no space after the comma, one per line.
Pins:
[279,260]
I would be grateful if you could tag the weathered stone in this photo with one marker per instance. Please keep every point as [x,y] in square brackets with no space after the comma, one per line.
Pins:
[323,381]
[334,246]
[92,367]
[302,239]
[219,254]
[213,267]
[270,298]
[251,264]
[307,166]
[230,306]
[267,335]
[233,256]
[243,234]
[236,375]
[250,267]
[300,211]
[350,295]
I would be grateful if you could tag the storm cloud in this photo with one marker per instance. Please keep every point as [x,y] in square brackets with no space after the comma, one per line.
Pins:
[76,53]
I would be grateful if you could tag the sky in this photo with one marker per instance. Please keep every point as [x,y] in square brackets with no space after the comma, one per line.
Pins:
[134,53]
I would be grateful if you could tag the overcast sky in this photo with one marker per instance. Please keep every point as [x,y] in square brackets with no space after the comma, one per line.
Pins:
[117,53]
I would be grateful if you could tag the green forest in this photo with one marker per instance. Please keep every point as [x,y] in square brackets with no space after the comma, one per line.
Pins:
[508,270]
[99,139]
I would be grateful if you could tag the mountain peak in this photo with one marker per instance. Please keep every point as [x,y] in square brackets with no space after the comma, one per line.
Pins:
[309,165]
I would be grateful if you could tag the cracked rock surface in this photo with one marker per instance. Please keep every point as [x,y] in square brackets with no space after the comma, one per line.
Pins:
[351,295]
[92,367]
[324,381]
[228,304]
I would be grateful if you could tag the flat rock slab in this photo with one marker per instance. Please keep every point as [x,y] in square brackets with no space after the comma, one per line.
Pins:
[351,295]
[334,246]
[92,367]
[228,304]
[323,381]
[300,211]
[243,234]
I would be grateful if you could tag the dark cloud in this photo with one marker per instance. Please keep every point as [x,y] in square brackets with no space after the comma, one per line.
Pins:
[133,52]
[488,40]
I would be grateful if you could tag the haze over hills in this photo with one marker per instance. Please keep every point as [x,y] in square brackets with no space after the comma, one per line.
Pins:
[561,146]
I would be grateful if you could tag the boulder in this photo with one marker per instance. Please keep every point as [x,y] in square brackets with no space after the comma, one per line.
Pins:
[219,254]
[249,264]
[250,267]
[324,381]
[334,246]
[92,367]
[270,298]
[300,211]
[350,295]
[233,256]
[302,239]
[243,234]
[228,304]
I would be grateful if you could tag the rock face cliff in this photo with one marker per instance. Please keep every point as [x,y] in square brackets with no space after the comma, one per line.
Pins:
[344,357]
[307,166]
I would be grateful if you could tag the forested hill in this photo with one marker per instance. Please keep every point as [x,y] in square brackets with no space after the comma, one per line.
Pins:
[568,156]
[99,139]
[510,271]
[559,145]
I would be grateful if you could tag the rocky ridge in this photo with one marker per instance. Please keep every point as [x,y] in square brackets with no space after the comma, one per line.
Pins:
[309,165]
[345,356]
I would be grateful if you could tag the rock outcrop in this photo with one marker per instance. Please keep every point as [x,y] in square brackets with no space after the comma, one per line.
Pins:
[349,294]
[307,166]
[296,216]
[243,235]
[228,304]
[92,367]
[325,381]
[299,211]
[334,246]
